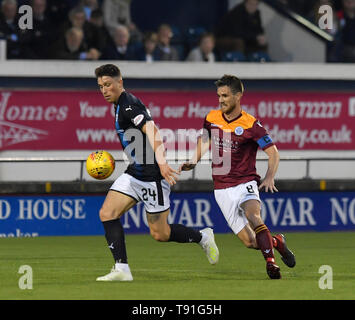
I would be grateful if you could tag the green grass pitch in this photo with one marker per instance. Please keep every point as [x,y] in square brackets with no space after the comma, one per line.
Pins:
[66,268]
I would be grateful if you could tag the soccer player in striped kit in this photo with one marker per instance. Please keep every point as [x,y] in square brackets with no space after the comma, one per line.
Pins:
[235,136]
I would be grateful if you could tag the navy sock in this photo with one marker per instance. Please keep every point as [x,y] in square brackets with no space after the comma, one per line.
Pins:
[183,234]
[116,240]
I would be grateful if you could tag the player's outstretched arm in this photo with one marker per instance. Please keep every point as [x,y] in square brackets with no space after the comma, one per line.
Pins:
[202,147]
[273,163]
[155,140]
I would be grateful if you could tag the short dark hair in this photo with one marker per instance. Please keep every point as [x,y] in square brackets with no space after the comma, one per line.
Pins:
[108,70]
[234,83]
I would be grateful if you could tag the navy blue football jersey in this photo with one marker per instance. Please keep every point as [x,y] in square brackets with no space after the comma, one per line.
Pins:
[131,115]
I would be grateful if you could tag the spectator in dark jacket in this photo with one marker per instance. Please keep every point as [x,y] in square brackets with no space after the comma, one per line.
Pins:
[72,47]
[121,49]
[241,29]
[42,35]
[97,19]
[347,25]
[58,10]
[166,51]
[149,51]
[16,38]
[77,19]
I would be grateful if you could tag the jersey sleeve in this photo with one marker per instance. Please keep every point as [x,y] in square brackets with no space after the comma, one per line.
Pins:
[205,132]
[137,114]
[261,136]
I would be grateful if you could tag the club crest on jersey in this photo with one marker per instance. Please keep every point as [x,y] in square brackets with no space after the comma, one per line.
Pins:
[239,131]
[138,119]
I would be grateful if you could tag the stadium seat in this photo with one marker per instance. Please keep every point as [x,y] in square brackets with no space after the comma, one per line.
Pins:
[232,56]
[178,36]
[182,50]
[193,34]
[258,57]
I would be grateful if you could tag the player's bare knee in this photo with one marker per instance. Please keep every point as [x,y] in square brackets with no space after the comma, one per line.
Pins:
[254,219]
[106,215]
[252,212]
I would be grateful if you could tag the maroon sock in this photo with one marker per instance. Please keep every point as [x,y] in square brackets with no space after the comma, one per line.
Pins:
[265,242]
[274,242]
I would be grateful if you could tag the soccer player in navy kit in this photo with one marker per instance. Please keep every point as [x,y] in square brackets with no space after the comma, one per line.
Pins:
[235,137]
[147,178]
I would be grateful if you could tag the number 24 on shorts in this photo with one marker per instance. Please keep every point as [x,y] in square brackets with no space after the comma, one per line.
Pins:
[148,192]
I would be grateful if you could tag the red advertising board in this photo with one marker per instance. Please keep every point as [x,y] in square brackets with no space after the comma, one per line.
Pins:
[74,120]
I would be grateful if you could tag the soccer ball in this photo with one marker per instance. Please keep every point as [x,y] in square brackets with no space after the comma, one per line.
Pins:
[100,164]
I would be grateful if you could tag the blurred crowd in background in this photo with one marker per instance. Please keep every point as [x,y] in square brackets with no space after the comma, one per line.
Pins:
[105,30]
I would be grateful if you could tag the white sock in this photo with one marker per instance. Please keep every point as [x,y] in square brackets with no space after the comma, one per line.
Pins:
[122,266]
